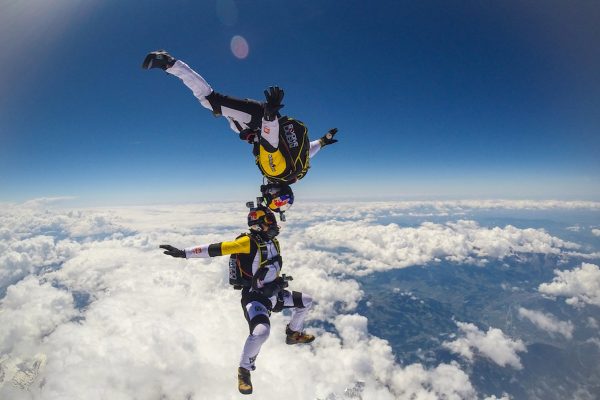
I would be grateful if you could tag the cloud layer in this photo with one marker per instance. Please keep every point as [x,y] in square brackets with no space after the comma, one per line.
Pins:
[363,248]
[89,293]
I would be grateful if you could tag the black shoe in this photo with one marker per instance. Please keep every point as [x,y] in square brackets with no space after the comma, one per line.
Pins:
[244,382]
[158,59]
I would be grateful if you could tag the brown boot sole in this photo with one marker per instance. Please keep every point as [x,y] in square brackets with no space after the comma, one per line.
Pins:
[245,391]
[292,341]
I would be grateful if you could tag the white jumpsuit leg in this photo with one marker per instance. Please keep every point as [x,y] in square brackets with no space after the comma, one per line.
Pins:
[241,114]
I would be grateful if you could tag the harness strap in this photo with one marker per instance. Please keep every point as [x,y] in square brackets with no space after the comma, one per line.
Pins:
[263,255]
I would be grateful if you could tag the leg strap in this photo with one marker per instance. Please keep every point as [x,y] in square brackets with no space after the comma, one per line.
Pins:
[297,299]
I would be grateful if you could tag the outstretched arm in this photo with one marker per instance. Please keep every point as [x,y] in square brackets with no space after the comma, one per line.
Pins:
[270,124]
[239,246]
[326,140]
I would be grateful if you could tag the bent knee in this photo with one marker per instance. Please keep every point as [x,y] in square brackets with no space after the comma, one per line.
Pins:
[261,331]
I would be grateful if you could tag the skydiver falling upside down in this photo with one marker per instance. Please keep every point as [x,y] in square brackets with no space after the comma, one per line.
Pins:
[281,146]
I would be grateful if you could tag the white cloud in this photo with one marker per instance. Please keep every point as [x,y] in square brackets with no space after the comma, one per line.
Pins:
[505,396]
[362,248]
[117,319]
[31,311]
[20,258]
[445,207]
[493,344]
[89,292]
[312,212]
[594,340]
[596,232]
[548,322]
[580,285]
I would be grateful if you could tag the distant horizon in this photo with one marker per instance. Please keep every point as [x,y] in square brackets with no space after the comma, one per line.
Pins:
[476,203]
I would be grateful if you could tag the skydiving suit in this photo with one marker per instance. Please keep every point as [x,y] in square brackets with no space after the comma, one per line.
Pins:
[260,261]
[282,149]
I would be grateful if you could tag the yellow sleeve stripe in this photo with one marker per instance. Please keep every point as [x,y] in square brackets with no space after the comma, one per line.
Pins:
[239,246]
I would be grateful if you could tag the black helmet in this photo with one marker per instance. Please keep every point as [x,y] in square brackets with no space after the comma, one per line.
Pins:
[279,197]
[263,221]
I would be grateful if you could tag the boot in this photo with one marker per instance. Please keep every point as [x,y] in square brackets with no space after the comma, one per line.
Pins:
[293,337]
[158,59]
[244,382]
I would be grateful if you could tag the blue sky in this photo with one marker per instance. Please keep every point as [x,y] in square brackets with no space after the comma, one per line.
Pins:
[432,99]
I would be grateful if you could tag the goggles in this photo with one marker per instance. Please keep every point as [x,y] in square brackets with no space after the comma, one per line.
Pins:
[267,218]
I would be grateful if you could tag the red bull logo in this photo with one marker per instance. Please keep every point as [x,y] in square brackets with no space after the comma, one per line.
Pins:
[278,202]
[281,203]
[254,215]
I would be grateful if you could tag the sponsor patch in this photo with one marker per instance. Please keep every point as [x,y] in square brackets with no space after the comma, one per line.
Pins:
[290,135]
[271,163]
[232,269]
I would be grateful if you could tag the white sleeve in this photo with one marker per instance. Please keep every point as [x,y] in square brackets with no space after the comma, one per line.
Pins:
[197,251]
[191,79]
[270,132]
[315,146]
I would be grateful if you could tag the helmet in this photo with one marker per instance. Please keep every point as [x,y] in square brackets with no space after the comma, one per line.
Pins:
[263,221]
[279,197]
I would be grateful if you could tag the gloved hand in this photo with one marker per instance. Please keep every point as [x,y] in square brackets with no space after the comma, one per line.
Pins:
[172,251]
[328,139]
[274,96]
[248,135]
[158,59]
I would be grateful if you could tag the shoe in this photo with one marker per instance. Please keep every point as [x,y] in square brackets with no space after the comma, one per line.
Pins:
[293,337]
[244,382]
[158,59]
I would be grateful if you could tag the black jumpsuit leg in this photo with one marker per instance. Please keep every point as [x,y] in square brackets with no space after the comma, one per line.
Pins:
[246,111]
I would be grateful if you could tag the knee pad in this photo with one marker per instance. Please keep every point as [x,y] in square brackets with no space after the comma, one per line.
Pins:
[261,331]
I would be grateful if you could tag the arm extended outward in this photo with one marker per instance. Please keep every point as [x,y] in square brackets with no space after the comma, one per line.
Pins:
[326,140]
[240,245]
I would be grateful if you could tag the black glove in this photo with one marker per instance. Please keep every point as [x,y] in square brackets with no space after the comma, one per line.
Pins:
[172,251]
[274,96]
[328,138]
[158,59]
[248,135]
